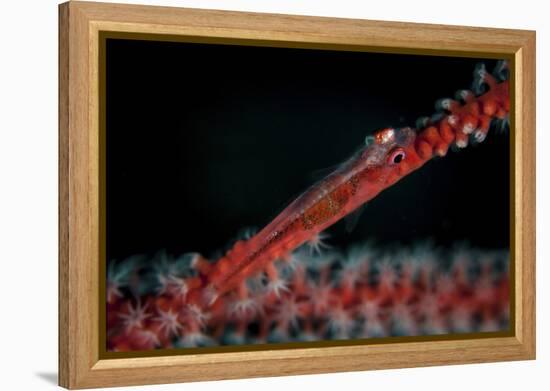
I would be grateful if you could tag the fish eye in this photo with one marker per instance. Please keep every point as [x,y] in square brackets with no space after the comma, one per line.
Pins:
[396,156]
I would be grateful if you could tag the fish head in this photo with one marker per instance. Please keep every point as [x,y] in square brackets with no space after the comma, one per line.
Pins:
[388,147]
[387,156]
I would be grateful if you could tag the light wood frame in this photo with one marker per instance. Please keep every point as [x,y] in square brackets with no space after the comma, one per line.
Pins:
[80,365]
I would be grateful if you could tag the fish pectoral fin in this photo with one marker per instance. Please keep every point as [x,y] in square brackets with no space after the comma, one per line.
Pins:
[353,218]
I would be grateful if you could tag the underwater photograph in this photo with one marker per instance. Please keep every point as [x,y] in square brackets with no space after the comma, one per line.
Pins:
[262,195]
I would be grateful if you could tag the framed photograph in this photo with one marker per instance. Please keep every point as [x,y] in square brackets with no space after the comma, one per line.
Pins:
[247,195]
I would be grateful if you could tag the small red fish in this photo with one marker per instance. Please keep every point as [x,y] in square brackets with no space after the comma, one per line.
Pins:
[388,156]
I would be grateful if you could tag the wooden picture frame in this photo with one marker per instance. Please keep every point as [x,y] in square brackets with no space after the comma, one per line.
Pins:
[80,24]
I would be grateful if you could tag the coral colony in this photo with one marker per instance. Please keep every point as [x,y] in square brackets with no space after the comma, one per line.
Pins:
[286,284]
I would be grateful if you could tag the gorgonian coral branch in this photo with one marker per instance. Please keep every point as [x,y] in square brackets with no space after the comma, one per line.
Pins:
[362,294]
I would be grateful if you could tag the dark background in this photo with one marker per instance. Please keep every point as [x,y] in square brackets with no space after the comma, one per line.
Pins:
[205,140]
